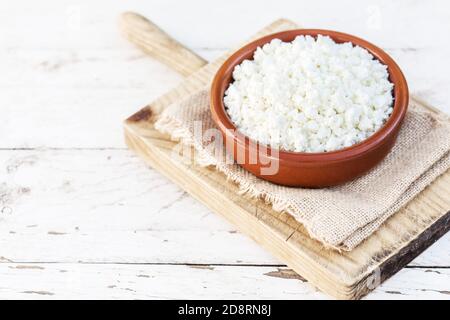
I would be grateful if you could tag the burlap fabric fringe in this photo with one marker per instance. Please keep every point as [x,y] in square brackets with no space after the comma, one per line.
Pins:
[343,216]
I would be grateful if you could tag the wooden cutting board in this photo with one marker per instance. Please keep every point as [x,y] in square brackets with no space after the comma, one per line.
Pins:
[346,275]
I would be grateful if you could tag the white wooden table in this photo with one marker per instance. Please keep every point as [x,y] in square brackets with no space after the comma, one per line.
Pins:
[83,217]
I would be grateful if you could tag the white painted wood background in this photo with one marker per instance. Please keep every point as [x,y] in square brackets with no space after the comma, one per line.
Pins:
[82,217]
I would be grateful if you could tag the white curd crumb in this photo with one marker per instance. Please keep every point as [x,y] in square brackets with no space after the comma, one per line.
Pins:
[309,95]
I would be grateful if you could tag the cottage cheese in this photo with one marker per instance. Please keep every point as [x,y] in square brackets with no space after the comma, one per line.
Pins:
[309,95]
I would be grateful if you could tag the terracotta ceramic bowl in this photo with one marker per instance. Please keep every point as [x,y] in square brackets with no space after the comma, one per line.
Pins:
[308,169]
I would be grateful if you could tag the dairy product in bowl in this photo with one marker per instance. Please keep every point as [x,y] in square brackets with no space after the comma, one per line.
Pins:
[309,95]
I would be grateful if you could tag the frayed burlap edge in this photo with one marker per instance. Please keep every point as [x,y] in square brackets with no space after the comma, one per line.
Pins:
[203,158]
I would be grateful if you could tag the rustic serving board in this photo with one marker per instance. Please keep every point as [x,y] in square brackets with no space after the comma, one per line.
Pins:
[346,275]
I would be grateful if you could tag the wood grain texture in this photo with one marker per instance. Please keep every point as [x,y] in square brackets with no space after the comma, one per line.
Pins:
[114,281]
[63,167]
[52,200]
[154,41]
[349,275]
[159,281]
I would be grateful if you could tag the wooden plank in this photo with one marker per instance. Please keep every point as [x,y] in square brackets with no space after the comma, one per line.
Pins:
[114,281]
[349,275]
[55,24]
[52,200]
[94,69]
[119,281]
[411,283]
[158,44]
[106,206]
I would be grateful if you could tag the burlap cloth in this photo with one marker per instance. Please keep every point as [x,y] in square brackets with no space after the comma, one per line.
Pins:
[343,216]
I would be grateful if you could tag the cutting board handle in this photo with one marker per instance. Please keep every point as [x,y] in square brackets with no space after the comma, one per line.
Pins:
[154,41]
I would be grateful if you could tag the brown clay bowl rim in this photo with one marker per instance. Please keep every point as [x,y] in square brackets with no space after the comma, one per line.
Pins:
[400,94]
